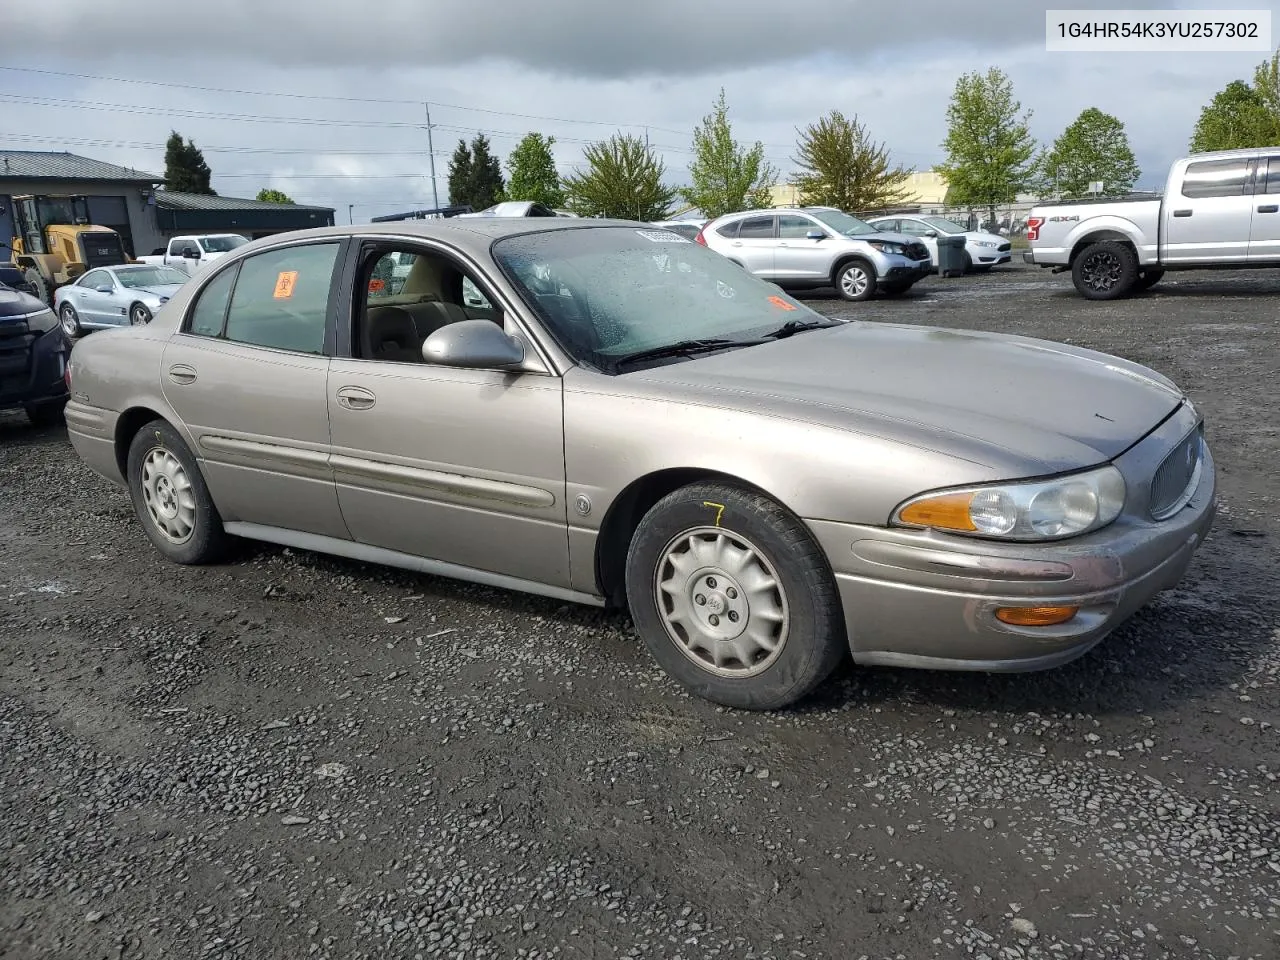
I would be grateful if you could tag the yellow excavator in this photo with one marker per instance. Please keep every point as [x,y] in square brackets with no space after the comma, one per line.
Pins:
[56,242]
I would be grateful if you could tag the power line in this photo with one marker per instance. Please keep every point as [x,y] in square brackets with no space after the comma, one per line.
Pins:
[328,97]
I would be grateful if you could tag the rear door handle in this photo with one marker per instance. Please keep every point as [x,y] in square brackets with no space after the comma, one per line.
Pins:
[1182,213]
[356,398]
[182,373]
[1269,208]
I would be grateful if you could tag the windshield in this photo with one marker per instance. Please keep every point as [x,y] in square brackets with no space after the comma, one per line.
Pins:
[842,222]
[149,276]
[943,225]
[606,292]
[222,244]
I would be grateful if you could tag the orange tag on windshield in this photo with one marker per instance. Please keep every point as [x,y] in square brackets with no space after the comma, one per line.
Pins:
[285,283]
[377,286]
[780,303]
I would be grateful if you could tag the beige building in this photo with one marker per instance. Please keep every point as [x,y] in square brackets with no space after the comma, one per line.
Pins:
[924,188]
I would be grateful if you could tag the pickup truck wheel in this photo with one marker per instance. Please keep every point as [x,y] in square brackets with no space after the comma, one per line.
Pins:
[733,597]
[856,280]
[1106,270]
[1149,278]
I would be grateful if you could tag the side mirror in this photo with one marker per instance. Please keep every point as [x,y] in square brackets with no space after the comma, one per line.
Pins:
[191,253]
[102,288]
[931,233]
[473,343]
[815,235]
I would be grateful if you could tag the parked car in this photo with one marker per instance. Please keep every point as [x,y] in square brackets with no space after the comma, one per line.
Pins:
[1218,210]
[629,419]
[33,357]
[688,229]
[982,250]
[115,296]
[802,247]
[190,253]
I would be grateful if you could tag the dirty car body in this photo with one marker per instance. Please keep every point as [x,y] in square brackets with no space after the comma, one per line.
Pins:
[617,416]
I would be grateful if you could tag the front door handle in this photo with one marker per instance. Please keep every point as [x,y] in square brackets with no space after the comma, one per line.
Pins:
[182,373]
[1269,208]
[737,243]
[1182,213]
[356,398]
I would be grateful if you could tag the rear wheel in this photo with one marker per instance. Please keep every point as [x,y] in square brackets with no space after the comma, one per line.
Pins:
[733,598]
[856,280]
[1106,270]
[170,497]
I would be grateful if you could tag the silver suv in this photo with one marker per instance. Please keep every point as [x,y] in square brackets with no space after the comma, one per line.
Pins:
[799,247]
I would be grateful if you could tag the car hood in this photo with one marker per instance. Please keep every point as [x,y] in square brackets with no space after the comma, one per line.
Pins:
[982,235]
[1008,402]
[16,305]
[887,237]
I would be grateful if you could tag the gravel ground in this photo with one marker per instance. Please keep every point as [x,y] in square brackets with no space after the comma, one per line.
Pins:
[295,756]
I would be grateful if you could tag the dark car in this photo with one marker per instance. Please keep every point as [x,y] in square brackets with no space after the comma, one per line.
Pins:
[13,276]
[33,357]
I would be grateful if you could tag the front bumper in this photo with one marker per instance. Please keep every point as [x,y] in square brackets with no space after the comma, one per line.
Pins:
[896,269]
[923,599]
[39,378]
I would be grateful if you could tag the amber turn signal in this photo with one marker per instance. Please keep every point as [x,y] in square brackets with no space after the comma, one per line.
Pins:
[1036,616]
[947,512]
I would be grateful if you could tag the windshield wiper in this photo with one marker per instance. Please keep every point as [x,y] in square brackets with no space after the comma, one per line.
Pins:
[796,326]
[683,348]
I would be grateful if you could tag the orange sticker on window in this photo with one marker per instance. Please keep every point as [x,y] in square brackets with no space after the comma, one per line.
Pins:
[781,304]
[285,282]
[377,286]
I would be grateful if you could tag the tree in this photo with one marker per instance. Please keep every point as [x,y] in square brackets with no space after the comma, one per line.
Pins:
[841,166]
[623,180]
[990,151]
[475,174]
[268,195]
[533,172]
[1094,147]
[184,168]
[1266,82]
[1237,117]
[727,177]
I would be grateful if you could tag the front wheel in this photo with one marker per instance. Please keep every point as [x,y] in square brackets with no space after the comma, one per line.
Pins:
[139,315]
[856,280]
[70,321]
[1106,270]
[170,497]
[733,597]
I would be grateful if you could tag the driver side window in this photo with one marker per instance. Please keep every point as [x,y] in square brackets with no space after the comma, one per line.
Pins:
[404,296]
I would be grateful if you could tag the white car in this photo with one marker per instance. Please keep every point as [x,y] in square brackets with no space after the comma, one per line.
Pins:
[983,250]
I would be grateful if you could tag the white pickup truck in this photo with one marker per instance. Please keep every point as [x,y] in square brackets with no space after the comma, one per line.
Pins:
[191,253]
[1219,211]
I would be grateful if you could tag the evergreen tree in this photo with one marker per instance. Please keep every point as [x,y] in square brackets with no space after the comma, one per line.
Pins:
[184,168]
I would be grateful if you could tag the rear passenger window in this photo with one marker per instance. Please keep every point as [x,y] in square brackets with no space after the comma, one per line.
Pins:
[211,305]
[729,230]
[756,228]
[281,298]
[1215,178]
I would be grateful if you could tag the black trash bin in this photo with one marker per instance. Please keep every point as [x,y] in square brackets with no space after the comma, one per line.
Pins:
[950,256]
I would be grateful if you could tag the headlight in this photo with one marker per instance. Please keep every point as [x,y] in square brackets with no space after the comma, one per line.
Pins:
[42,322]
[986,243]
[886,246]
[1036,510]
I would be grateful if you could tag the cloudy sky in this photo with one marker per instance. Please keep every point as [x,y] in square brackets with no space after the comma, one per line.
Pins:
[325,99]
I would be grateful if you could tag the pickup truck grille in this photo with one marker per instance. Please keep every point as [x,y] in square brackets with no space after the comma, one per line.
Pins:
[1177,477]
[917,251]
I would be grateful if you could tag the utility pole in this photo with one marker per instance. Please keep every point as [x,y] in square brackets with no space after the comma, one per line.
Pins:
[431,153]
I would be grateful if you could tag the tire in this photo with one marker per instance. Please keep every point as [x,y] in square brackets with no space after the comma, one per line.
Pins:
[1106,270]
[856,280]
[43,289]
[45,414]
[139,315]
[686,638]
[70,321]
[192,533]
[1149,278]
